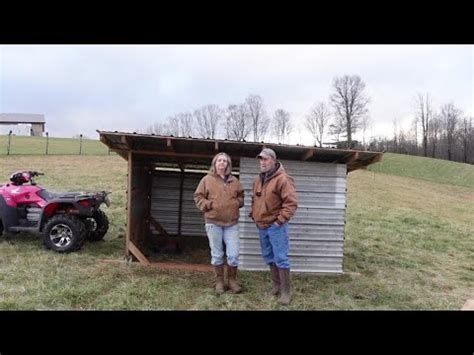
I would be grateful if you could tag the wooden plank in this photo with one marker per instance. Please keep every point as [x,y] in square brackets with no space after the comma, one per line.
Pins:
[352,158]
[129,205]
[167,265]
[308,154]
[171,154]
[169,145]
[158,226]
[180,208]
[184,266]
[124,140]
[138,254]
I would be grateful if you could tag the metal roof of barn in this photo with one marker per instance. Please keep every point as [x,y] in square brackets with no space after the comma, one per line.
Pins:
[167,151]
[21,118]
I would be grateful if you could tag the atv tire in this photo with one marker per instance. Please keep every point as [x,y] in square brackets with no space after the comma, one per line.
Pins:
[97,226]
[64,234]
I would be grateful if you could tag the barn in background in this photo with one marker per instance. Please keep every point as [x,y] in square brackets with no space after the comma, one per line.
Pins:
[16,122]
[163,173]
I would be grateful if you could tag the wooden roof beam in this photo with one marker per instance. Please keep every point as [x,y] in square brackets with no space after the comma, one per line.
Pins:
[169,145]
[171,154]
[126,140]
[308,154]
[351,158]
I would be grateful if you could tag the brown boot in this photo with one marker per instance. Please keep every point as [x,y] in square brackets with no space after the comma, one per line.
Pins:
[234,287]
[219,271]
[275,280]
[284,286]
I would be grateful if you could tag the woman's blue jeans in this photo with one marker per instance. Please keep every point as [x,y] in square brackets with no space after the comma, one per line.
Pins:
[218,236]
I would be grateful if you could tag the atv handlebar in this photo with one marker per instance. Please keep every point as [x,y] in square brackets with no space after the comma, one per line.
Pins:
[35,173]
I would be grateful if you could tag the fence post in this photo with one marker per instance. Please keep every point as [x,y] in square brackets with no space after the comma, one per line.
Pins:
[9,141]
[80,144]
[47,142]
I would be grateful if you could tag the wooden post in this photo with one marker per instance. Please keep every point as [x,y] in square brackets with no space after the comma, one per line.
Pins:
[129,206]
[180,213]
[80,144]
[47,142]
[9,141]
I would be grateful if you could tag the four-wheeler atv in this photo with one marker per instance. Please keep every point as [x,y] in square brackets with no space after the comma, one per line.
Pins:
[64,220]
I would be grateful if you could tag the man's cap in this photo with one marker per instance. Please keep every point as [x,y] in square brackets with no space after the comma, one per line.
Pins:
[267,153]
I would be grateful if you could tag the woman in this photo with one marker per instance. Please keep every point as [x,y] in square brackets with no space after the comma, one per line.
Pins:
[220,195]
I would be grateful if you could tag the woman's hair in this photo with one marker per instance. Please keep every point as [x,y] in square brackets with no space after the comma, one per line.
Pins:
[214,160]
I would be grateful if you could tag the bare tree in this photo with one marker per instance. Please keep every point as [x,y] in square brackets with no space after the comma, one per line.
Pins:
[434,132]
[238,124]
[365,123]
[424,115]
[207,118]
[337,128]
[186,124]
[158,128]
[450,116]
[256,112]
[317,120]
[349,102]
[465,133]
[173,125]
[415,130]
[281,125]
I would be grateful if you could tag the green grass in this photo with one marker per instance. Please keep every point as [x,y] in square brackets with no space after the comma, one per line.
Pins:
[24,145]
[436,170]
[409,245]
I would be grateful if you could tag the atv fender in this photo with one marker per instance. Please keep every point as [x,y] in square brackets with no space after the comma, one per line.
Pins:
[8,215]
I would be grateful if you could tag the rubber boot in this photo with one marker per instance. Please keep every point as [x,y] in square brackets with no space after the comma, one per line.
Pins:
[234,287]
[219,271]
[275,280]
[284,286]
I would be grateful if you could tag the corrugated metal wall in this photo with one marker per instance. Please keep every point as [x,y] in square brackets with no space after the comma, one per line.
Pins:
[316,230]
[165,203]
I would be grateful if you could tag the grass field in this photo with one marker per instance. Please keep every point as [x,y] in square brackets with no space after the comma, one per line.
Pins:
[25,145]
[409,245]
[429,169]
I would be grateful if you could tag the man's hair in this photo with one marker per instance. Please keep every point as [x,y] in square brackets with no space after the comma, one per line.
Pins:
[213,169]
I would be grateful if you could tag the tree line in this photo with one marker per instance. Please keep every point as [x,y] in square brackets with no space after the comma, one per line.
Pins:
[443,132]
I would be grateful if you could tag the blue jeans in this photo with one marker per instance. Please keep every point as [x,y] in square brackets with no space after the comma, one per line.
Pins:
[217,237]
[275,245]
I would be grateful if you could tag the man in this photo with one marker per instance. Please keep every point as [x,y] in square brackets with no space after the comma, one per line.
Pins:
[274,203]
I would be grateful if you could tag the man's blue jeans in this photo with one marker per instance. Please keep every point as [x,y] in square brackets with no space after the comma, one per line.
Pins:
[274,242]
[217,237]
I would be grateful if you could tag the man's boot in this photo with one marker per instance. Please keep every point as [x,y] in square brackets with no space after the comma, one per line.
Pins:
[275,280]
[284,286]
[219,271]
[234,287]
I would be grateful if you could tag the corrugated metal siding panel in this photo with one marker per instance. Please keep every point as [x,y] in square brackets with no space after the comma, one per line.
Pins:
[165,203]
[316,230]
[193,219]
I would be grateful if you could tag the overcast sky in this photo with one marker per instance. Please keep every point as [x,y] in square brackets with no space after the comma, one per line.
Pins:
[129,87]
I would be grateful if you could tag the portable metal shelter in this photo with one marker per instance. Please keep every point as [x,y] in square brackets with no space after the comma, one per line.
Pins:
[163,172]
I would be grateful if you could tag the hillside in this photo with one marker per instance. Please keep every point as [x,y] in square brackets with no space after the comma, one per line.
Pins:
[408,246]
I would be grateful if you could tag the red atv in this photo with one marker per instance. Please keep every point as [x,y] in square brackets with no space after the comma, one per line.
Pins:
[64,220]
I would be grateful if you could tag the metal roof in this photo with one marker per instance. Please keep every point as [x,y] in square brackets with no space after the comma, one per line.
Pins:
[21,118]
[198,152]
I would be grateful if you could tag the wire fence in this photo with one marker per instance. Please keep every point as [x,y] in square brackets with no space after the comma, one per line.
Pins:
[11,144]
